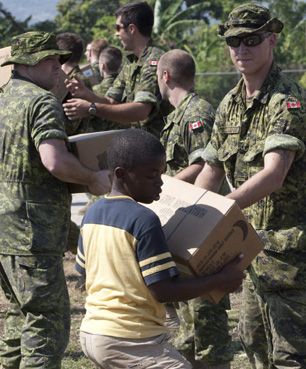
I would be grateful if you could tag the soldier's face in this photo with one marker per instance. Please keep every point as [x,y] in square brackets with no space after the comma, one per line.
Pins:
[161,83]
[124,35]
[46,73]
[251,61]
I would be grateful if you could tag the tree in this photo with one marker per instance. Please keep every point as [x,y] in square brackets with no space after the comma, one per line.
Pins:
[89,18]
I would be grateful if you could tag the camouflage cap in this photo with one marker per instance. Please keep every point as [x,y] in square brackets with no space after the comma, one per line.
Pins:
[249,18]
[31,47]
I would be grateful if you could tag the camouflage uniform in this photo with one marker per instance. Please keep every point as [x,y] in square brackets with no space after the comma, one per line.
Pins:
[104,85]
[203,333]
[273,320]
[137,82]
[96,71]
[35,214]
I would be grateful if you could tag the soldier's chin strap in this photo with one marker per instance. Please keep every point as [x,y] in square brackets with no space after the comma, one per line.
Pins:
[7,284]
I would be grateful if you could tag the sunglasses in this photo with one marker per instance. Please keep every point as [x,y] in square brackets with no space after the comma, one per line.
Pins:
[118,27]
[249,41]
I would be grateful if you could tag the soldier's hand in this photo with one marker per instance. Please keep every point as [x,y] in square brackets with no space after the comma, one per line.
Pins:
[77,88]
[76,108]
[101,184]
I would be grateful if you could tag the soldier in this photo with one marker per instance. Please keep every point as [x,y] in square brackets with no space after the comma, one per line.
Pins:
[73,43]
[258,142]
[134,98]
[109,65]
[96,47]
[35,205]
[203,336]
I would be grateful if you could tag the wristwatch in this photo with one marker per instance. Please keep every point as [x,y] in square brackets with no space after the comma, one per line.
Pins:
[92,110]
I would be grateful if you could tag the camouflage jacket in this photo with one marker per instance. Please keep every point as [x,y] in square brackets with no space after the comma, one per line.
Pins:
[187,133]
[137,82]
[104,85]
[275,119]
[35,206]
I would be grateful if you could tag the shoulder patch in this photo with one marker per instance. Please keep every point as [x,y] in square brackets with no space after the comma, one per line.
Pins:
[153,62]
[293,103]
[196,126]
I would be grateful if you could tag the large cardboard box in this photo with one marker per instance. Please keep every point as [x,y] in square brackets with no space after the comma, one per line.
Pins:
[90,149]
[6,71]
[204,230]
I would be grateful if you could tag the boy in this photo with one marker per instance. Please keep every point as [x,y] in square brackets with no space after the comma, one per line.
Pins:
[129,269]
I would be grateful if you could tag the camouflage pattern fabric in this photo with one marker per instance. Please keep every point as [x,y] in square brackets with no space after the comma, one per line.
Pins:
[77,73]
[96,72]
[35,206]
[31,47]
[137,82]
[104,85]
[37,322]
[273,327]
[249,18]
[274,120]
[203,333]
[187,133]
[97,124]
[35,216]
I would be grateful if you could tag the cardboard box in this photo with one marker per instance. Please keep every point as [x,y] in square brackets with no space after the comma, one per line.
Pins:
[90,149]
[204,230]
[6,71]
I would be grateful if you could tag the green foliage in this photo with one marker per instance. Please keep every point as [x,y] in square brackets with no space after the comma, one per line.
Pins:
[83,16]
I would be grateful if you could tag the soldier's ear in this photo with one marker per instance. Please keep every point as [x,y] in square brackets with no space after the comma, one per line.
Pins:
[166,76]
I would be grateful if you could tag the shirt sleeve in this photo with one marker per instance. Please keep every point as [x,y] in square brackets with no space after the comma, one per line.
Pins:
[155,260]
[116,91]
[210,154]
[80,257]
[48,117]
[197,132]
[287,124]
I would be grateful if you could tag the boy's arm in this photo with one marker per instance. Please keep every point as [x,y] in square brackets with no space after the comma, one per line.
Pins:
[176,289]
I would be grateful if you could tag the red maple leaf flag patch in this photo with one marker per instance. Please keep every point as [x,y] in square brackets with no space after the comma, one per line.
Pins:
[153,62]
[195,125]
[293,104]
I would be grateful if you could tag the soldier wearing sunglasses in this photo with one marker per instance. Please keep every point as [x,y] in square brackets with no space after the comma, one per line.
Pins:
[134,99]
[258,143]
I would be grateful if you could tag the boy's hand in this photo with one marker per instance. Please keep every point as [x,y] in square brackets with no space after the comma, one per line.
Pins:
[231,276]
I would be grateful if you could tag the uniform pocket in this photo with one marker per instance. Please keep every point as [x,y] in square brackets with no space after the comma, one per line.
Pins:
[229,148]
[49,226]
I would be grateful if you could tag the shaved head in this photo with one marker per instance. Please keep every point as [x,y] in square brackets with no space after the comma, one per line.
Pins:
[180,65]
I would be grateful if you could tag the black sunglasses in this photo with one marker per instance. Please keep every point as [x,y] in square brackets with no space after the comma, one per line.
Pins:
[249,41]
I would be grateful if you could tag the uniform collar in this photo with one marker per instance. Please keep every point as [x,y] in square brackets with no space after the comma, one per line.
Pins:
[140,61]
[238,92]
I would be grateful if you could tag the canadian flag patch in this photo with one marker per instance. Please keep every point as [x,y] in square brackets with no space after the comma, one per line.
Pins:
[293,104]
[153,62]
[195,125]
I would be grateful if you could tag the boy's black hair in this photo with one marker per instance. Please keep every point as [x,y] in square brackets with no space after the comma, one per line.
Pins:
[140,14]
[72,42]
[133,147]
